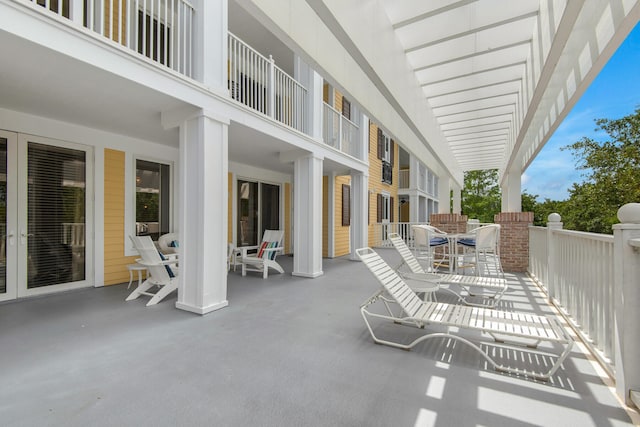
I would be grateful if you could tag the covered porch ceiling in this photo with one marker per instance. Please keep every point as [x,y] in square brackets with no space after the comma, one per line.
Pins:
[500,76]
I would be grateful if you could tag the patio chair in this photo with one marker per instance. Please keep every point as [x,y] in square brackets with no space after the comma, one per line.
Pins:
[426,239]
[485,245]
[169,243]
[265,257]
[510,329]
[162,271]
[497,285]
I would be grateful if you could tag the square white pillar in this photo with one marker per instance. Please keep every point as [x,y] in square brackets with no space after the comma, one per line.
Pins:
[203,225]
[359,230]
[210,43]
[307,223]
[511,194]
[313,82]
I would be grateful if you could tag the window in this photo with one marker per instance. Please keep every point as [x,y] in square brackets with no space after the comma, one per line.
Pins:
[385,208]
[346,205]
[386,154]
[153,198]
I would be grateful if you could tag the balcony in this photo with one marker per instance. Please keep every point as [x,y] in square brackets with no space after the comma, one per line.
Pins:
[257,82]
[340,132]
[160,30]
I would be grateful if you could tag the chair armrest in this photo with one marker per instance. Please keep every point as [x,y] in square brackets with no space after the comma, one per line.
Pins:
[167,262]
[245,249]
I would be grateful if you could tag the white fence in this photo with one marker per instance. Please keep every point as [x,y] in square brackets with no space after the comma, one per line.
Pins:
[255,81]
[380,237]
[340,132]
[576,270]
[161,30]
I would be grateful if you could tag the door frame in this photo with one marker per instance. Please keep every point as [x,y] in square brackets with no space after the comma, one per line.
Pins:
[11,238]
[21,206]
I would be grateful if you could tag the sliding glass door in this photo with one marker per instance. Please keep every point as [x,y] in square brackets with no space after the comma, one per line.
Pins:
[258,210]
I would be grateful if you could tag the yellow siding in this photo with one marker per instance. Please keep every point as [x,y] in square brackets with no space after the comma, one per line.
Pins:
[230,209]
[341,235]
[325,216]
[375,179]
[115,263]
[337,101]
[287,218]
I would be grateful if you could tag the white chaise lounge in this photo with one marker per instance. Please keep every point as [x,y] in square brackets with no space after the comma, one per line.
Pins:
[494,287]
[527,329]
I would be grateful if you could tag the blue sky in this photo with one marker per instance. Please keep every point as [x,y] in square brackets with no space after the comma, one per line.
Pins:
[615,93]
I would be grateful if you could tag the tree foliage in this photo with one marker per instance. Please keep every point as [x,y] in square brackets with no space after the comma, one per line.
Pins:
[612,175]
[481,197]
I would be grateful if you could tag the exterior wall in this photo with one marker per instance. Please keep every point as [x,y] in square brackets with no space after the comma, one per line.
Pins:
[341,237]
[514,239]
[115,262]
[376,185]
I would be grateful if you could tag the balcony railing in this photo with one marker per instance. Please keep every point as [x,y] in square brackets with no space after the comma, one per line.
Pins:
[161,30]
[576,270]
[255,81]
[381,232]
[340,132]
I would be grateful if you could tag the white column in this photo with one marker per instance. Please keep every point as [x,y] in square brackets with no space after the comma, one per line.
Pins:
[626,271]
[414,207]
[363,152]
[457,199]
[76,11]
[210,43]
[414,173]
[511,195]
[307,199]
[313,82]
[359,212]
[202,224]
[443,195]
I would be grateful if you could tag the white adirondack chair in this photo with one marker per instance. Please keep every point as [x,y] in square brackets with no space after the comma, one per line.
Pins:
[162,272]
[265,257]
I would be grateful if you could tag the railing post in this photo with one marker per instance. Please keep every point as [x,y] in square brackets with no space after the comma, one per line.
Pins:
[340,132]
[76,12]
[271,90]
[626,258]
[553,223]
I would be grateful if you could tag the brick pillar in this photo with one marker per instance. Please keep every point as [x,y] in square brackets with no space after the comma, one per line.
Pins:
[514,240]
[449,222]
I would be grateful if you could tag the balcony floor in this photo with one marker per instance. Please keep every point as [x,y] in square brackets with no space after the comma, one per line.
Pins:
[287,351]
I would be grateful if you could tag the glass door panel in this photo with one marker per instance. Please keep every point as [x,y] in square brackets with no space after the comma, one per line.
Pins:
[269,207]
[56,215]
[247,213]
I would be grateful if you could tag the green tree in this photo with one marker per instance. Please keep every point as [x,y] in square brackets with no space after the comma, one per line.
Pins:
[612,175]
[481,196]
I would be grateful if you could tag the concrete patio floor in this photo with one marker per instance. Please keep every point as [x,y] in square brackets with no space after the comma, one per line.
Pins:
[287,351]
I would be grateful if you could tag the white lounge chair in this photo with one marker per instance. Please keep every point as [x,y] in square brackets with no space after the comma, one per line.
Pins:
[524,327]
[265,257]
[169,243]
[162,272]
[495,285]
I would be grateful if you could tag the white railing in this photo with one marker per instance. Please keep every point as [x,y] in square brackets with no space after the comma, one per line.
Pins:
[161,30]
[340,132]
[380,236]
[403,181]
[255,81]
[576,271]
